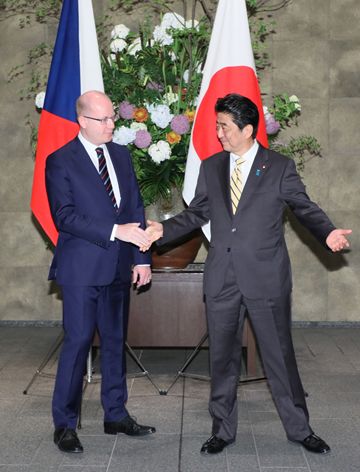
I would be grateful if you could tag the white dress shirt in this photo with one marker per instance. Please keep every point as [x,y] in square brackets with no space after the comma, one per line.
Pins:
[91,151]
[249,157]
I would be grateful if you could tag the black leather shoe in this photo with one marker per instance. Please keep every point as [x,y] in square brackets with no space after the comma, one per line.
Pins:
[67,440]
[128,426]
[315,444]
[213,445]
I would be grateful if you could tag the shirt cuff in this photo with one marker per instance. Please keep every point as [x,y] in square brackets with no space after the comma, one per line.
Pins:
[113,232]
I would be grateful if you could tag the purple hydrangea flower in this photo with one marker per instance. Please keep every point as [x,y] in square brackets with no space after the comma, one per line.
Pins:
[126,110]
[180,124]
[143,139]
[272,126]
[154,86]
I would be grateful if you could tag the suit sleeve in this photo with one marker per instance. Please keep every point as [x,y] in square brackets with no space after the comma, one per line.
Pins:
[307,212]
[138,215]
[66,217]
[196,215]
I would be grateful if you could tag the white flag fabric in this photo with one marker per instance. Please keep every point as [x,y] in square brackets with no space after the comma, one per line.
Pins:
[229,68]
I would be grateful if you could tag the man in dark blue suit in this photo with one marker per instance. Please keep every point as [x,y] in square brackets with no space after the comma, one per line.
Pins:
[97,208]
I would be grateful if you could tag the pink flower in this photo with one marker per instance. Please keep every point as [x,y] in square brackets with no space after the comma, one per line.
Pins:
[180,124]
[126,110]
[143,139]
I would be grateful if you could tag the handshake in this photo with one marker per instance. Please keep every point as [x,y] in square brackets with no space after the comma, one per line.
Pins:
[132,233]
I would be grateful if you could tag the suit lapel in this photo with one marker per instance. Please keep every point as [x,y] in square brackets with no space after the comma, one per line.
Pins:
[257,172]
[223,172]
[89,172]
[84,162]
[119,175]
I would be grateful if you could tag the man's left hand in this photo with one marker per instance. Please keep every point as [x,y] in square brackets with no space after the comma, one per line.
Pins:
[337,239]
[141,275]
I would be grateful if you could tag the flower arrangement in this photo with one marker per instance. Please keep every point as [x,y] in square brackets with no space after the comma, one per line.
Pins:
[153,80]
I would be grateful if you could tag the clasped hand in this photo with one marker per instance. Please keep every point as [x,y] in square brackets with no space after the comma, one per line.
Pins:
[154,231]
[132,233]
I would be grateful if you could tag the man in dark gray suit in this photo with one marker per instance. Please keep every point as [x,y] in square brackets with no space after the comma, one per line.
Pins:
[248,267]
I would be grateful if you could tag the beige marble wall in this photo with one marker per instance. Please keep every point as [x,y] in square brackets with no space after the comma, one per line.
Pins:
[315,55]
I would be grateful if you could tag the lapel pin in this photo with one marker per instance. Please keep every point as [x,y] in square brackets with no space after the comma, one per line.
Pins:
[258,171]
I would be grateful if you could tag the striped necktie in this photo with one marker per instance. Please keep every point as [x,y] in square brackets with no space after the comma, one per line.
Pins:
[236,184]
[104,174]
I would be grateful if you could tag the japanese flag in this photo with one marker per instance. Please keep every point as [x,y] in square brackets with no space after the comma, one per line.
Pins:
[229,68]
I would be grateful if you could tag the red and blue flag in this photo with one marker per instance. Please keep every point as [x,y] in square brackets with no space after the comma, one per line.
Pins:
[75,69]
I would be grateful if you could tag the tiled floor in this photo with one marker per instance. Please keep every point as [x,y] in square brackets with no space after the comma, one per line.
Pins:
[329,360]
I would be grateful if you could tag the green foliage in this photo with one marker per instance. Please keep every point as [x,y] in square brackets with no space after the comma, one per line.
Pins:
[30,10]
[164,70]
[37,68]
[299,149]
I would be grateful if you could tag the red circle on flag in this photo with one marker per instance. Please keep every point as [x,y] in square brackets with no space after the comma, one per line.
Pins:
[237,79]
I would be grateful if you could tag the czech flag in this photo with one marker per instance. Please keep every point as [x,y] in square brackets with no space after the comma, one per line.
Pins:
[229,68]
[75,69]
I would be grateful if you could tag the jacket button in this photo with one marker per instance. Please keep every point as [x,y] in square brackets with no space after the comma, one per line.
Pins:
[228,249]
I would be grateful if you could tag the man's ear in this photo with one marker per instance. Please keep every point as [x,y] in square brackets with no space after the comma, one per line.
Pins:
[248,131]
[81,121]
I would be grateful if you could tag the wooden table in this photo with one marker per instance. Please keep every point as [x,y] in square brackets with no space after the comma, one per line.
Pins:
[171,313]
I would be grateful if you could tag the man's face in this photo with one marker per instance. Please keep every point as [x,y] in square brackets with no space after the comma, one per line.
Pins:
[232,138]
[98,132]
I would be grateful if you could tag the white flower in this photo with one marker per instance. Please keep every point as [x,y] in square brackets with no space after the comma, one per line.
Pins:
[160,151]
[266,111]
[161,36]
[191,24]
[172,55]
[39,100]
[124,135]
[134,47]
[117,45]
[120,31]
[138,126]
[160,115]
[170,98]
[172,20]
[294,99]
[186,73]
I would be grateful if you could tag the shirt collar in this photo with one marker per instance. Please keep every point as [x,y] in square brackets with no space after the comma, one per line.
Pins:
[249,155]
[90,147]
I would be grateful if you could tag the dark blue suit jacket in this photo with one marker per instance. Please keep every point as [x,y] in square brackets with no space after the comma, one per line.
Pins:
[84,216]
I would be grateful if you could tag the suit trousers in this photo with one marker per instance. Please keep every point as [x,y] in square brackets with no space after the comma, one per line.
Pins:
[271,322]
[86,308]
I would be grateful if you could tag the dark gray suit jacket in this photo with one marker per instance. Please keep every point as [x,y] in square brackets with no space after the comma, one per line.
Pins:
[253,238]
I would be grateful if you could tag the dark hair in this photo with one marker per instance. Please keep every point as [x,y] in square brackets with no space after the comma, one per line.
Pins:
[242,110]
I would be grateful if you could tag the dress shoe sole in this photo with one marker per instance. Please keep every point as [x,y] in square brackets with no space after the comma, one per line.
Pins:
[114,431]
[72,451]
